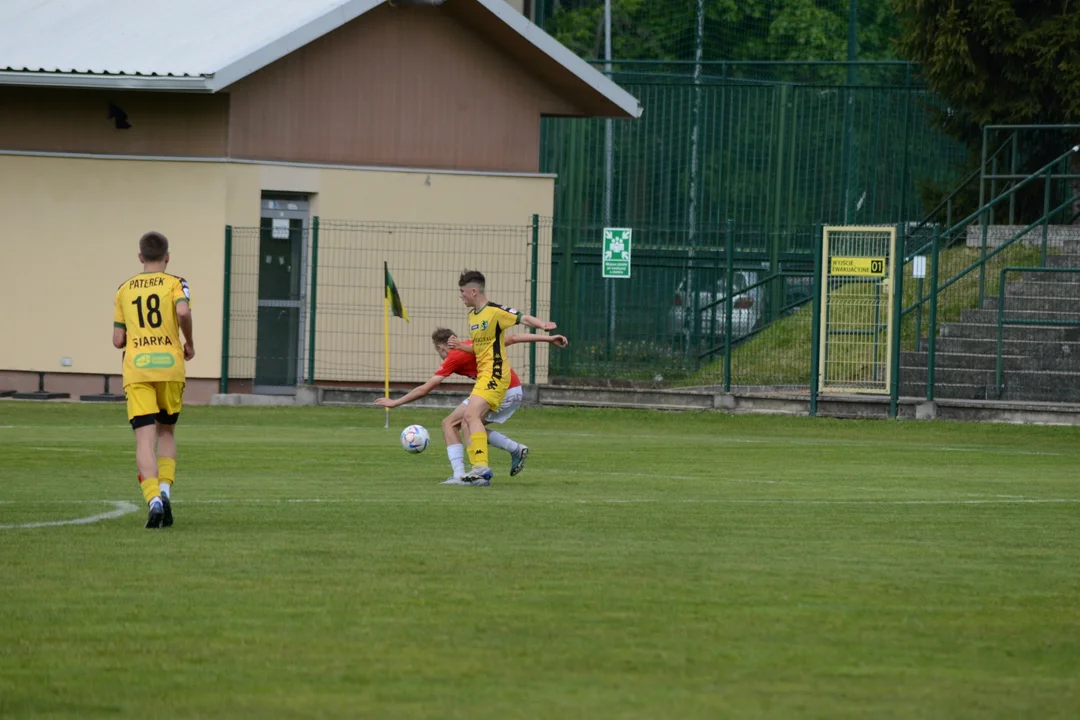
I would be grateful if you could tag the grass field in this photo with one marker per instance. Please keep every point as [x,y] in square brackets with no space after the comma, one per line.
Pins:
[644,565]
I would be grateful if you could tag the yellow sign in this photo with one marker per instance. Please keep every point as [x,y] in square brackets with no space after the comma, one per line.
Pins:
[866,266]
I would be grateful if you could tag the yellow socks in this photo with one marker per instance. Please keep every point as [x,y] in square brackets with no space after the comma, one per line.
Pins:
[478,449]
[150,489]
[166,473]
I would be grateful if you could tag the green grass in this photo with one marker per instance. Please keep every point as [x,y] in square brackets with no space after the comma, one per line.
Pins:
[644,565]
[780,353]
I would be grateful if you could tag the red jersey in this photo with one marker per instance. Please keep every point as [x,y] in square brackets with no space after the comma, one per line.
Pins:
[463,363]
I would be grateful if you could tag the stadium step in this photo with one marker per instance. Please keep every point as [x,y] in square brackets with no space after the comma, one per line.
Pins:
[990,317]
[1046,307]
[1043,285]
[1049,360]
[1062,260]
[1028,333]
[988,346]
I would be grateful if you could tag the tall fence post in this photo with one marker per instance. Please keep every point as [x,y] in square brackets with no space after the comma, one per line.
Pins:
[314,294]
[815,326]
[533,275]
[931,341]
[1046,219]
[729,281]
[225,311]
[897,315]
[1000,360]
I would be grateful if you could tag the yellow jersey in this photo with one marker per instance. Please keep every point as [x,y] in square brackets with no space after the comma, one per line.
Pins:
[146,309]
[486,329]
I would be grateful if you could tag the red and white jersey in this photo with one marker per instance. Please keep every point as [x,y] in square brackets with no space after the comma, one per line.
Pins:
[463,363]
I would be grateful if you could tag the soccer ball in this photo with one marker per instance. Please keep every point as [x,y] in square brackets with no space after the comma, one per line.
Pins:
[415,439]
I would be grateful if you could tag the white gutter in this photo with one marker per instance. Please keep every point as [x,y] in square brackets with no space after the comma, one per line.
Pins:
[112,82]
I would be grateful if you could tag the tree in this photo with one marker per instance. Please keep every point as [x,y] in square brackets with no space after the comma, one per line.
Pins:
[996,61]
[798,30]
[999,62]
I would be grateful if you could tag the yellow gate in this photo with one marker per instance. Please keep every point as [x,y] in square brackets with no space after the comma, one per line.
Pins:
[856,302]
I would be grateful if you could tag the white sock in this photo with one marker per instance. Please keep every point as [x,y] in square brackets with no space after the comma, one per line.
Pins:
[456,453]
[502,442]
[165,489]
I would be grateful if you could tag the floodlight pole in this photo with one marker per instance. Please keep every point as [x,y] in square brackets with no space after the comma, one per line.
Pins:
[849,110]
[609,172]
[694,133]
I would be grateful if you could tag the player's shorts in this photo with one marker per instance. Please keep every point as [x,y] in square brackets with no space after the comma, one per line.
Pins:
[154,402]
[491,390]
[511,402]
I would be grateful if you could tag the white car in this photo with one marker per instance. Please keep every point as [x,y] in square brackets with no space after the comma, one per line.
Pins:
[747,307]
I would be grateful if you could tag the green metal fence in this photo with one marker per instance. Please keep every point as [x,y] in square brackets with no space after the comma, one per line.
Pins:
[308,308]
[668,323]
[1050,304]
[775,154]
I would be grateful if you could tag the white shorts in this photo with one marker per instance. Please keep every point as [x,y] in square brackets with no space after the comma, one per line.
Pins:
[511,402]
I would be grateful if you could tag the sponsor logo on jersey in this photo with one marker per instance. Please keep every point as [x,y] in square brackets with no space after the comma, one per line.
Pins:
[154,361]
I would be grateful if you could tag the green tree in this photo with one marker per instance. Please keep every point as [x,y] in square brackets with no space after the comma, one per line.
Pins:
[996,61]
[734,29]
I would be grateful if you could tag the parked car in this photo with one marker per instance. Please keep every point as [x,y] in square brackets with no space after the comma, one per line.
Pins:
[747,307]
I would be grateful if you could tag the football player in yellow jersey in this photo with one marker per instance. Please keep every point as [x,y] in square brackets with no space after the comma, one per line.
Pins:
[151,310]
[487,323]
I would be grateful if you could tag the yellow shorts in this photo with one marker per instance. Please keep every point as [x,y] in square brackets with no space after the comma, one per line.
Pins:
[160,399]
[491,390]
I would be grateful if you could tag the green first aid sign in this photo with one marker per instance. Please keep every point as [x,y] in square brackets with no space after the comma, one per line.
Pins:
[616,257]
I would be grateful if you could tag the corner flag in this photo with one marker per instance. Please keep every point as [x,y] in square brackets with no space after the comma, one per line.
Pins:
[393,298]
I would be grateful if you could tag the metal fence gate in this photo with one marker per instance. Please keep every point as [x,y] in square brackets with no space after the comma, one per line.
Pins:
[856,309]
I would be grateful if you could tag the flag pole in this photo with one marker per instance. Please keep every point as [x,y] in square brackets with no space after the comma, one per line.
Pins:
[386,344]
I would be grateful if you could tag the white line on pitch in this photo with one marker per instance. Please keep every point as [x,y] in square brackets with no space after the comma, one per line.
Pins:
[122,507]
[537,501]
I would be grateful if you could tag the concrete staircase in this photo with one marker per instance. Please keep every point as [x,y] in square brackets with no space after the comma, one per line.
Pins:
[1041,363]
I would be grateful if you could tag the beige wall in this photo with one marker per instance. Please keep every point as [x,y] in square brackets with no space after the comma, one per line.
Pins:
[69,238]
[478,221]
[71,227]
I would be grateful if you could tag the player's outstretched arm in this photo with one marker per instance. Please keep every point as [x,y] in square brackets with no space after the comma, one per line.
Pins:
[533,322]
[414,394]
[558,341]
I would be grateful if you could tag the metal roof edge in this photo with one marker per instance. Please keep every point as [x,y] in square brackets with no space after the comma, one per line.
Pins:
[114,82]
[279,163]
[562,55]
[255,59]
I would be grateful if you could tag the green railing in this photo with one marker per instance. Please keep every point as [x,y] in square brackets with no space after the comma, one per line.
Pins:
[956,264]
[1003,320]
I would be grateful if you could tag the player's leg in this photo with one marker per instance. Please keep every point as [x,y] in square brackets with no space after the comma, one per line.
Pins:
[455,450]
[142,413]
[170,400]
[483,399]
[518,452]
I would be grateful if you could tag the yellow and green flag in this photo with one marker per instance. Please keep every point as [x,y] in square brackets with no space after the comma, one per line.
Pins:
[393,298]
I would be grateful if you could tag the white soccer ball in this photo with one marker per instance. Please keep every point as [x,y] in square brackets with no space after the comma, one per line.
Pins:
[415,439]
